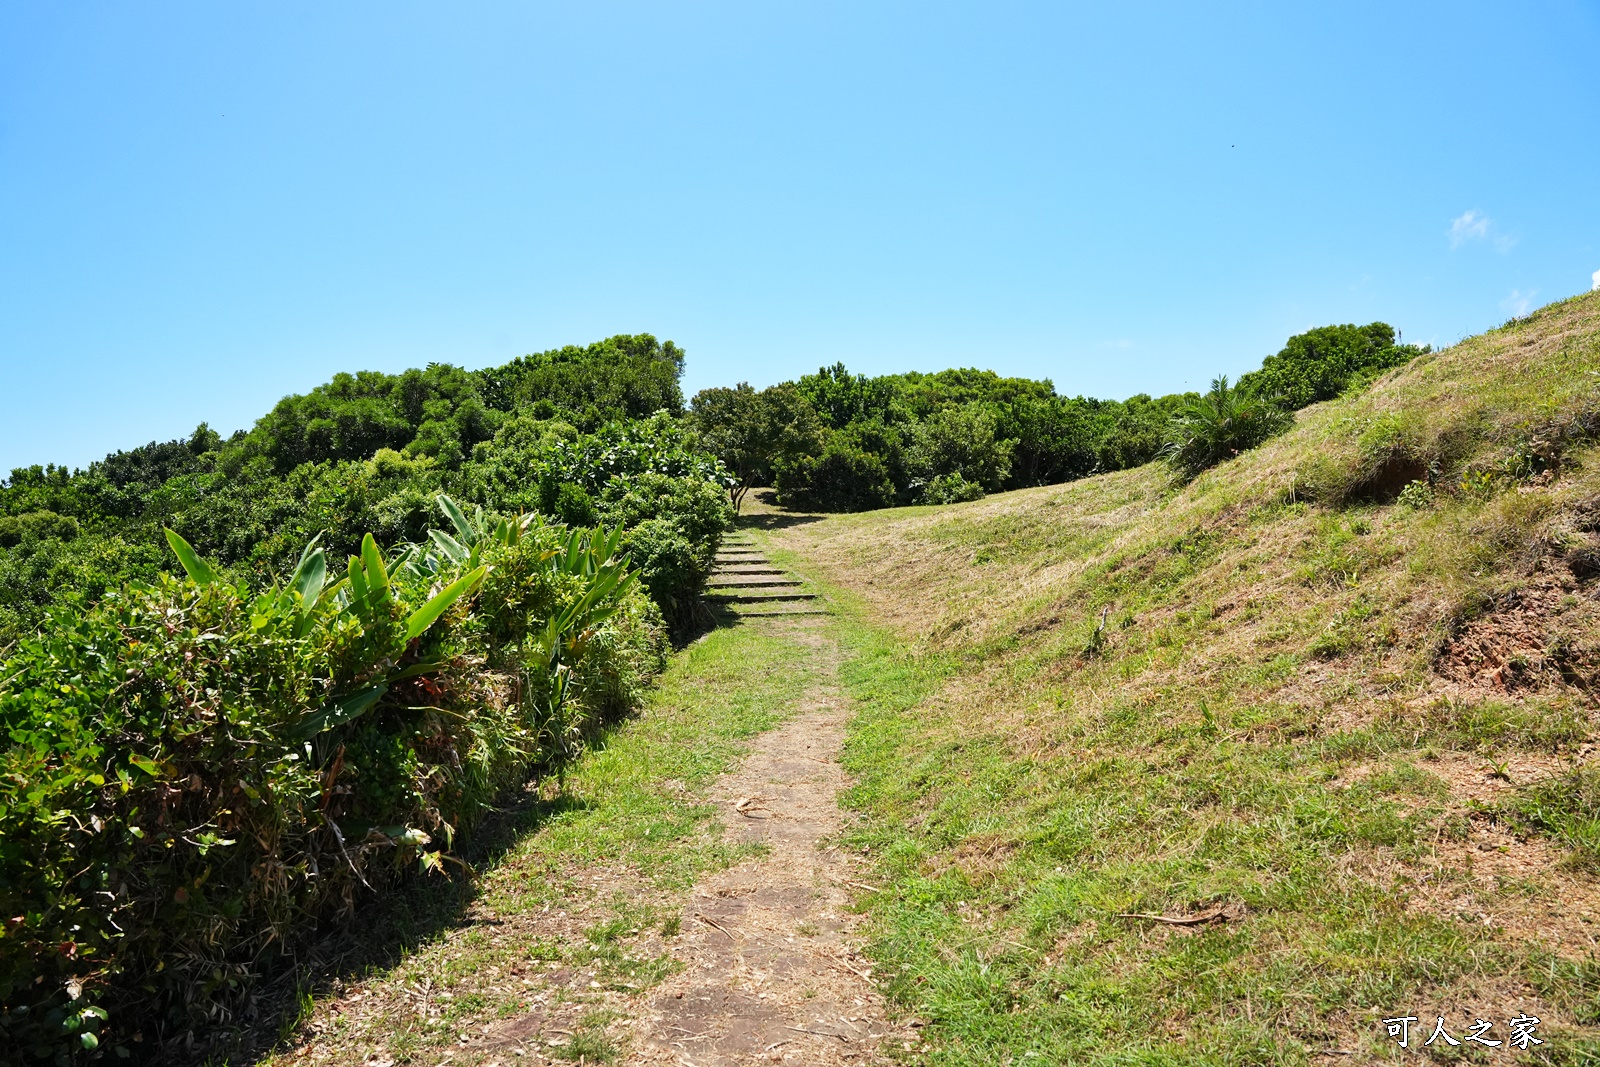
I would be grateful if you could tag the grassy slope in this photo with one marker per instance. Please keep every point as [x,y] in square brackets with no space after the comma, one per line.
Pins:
[1320,710]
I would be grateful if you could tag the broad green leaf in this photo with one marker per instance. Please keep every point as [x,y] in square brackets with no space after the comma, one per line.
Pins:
[424,616]
[339,712]
[453,550]
[458,519]
[401,560]
[358,582]
[416,669]
[377,573]
[197,568]
[148,766]
[309,576]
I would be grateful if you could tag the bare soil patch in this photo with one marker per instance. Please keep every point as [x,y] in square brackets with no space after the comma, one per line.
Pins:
[771,968]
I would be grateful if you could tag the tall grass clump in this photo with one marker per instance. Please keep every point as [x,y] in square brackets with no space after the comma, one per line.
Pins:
[195,775]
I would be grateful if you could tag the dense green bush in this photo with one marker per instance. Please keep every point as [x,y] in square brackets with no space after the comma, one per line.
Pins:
[950,489]
[754,434]
[194,775]
[835,440]
[960,443]
[1226,420]
[363,453]
[626,474]
[672,567]
[856,470]
[1321,363]
[620,378]
[36,526]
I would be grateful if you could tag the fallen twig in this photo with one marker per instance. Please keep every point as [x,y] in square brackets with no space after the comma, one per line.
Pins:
[745,805]
[714,925]
[1179,920]
[852,969]
[818,1033]
[854,885]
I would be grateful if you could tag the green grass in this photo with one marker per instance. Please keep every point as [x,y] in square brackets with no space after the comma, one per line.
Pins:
[1259,725]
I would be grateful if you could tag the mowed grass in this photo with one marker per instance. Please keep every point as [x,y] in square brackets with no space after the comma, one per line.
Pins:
[577,912]
[1355,728]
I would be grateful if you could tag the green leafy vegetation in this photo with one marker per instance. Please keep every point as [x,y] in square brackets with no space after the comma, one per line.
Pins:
[199,770]
[196,772]
[1222,423]
[563,433]
[837,441]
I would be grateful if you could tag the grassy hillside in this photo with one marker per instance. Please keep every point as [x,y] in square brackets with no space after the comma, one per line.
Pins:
[1336,696]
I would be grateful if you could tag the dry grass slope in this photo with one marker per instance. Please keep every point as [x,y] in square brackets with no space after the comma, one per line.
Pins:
[1340,692]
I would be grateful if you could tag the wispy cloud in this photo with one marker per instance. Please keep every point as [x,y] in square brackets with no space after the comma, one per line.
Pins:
[1474,225]
[1468,226]
[1596,277]
[1519,302]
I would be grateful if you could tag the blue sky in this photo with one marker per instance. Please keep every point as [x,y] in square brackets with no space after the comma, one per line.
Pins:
[204,207]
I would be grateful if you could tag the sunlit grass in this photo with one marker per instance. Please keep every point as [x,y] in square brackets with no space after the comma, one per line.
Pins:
[1124,696]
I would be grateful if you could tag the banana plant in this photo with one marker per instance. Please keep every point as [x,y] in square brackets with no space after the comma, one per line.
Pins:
[367,591]
[560,645]
[465,548]
[299,599]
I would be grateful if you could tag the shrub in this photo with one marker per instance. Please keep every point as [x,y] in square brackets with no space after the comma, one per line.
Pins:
[950,489]
[702,509]
[36,526]
[860,467]
[671,566]
[196,775]
[961,442]
[1322,363]
[1220,424]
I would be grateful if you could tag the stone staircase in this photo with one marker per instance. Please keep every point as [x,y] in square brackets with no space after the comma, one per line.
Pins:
[744,584]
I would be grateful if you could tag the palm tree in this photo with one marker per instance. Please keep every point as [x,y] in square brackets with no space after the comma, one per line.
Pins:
[1220,424]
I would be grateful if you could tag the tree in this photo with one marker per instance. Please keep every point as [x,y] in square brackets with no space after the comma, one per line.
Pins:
[961,442]
[841,398]
[753,433]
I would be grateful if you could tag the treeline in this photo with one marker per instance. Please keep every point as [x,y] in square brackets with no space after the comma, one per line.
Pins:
[837,441]
[586,435]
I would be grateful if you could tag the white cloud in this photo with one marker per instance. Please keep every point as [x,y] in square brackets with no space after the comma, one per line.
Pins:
[1518,302]
[1596,277]
[1474,225]
[1468,226]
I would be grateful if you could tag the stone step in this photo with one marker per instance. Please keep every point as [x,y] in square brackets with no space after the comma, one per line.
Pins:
[752,598]
[751,568]
[753,583]
[776,614]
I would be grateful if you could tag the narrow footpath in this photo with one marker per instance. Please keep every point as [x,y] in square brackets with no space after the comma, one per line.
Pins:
[770,972]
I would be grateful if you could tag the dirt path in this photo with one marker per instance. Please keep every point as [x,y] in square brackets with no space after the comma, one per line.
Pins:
[770,969]
[561,959]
